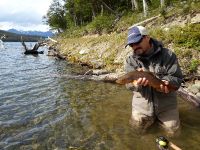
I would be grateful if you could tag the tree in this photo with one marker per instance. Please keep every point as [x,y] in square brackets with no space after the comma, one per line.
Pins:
[55,16]
[134,5]
[162,3]
[80,11]
[76,13]
[145,8]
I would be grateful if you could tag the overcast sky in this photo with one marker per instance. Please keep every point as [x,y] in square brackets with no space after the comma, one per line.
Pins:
[23,14]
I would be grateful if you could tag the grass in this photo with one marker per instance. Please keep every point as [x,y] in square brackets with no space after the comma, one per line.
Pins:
[187,36]
[185,40]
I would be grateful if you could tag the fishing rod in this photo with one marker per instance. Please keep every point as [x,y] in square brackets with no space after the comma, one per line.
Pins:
[164,144]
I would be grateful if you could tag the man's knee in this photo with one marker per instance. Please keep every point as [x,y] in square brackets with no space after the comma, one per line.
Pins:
[171,126]
[170,120]
[141,121]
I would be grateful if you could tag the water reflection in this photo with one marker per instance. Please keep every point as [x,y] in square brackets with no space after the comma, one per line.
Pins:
[41,109]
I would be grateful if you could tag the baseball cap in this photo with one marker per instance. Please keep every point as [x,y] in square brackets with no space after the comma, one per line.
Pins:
[135,34]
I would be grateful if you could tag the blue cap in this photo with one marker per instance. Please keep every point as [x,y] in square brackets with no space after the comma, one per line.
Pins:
[135,34]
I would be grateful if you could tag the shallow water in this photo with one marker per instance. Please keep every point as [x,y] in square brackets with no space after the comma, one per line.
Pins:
[41,109]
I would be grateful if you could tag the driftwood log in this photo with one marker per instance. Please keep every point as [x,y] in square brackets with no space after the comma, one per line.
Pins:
[112,77]
[33,50]
[191,98]
[55,53]
[52,40]
[143,23]
[53,50]
[192,78]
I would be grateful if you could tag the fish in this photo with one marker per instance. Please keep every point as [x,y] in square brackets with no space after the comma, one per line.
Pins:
[154,82]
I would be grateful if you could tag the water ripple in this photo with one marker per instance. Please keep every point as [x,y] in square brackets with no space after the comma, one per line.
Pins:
[41,109]
[30,98]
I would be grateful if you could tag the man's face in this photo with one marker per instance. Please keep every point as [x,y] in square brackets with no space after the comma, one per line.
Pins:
[142,47]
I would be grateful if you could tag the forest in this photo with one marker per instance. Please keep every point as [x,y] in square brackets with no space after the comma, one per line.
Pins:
[101,21]
[12,37]
[97,16]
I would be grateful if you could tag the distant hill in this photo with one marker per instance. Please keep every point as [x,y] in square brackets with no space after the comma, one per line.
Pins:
[13,37]
[36,33]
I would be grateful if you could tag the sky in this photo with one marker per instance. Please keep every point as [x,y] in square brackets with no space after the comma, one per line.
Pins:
[23,14]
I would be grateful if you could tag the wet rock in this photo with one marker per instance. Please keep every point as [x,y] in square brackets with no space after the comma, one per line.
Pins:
[193,88]
[198,95]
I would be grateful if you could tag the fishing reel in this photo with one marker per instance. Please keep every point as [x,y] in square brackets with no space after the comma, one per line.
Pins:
[162,143]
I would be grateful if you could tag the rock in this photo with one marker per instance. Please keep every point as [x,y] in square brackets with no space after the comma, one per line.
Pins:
[198,95]
[84,51]
[193,89]
[97,64]
[198,69]
[166,29]
[119,70]
[50,53]
[197,84]
[195,19]
[181,21]
[121,55]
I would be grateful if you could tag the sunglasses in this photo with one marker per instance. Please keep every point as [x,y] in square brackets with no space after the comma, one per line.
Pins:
[133,44]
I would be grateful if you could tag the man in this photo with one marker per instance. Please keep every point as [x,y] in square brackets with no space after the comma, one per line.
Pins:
[148,104]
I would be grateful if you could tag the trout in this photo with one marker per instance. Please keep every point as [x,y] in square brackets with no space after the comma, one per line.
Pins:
[153,80]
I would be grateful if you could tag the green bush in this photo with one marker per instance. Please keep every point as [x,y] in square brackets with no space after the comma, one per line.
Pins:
[101,23]
[194,64]
[188,36]
[186,8]
[163,12]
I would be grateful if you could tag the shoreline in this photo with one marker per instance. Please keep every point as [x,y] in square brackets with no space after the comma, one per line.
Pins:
[189,91]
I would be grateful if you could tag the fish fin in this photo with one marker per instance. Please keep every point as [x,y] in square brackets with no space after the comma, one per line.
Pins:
[134,82]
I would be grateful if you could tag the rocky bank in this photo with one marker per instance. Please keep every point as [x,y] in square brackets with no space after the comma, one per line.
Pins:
[105,54]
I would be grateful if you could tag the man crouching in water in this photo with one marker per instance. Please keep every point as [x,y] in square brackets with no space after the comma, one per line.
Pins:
[148,104]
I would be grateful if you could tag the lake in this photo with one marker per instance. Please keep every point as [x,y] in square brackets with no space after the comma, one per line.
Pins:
[41,109]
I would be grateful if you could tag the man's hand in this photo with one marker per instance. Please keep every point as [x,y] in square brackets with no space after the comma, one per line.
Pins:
[164,88]
[142,81]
